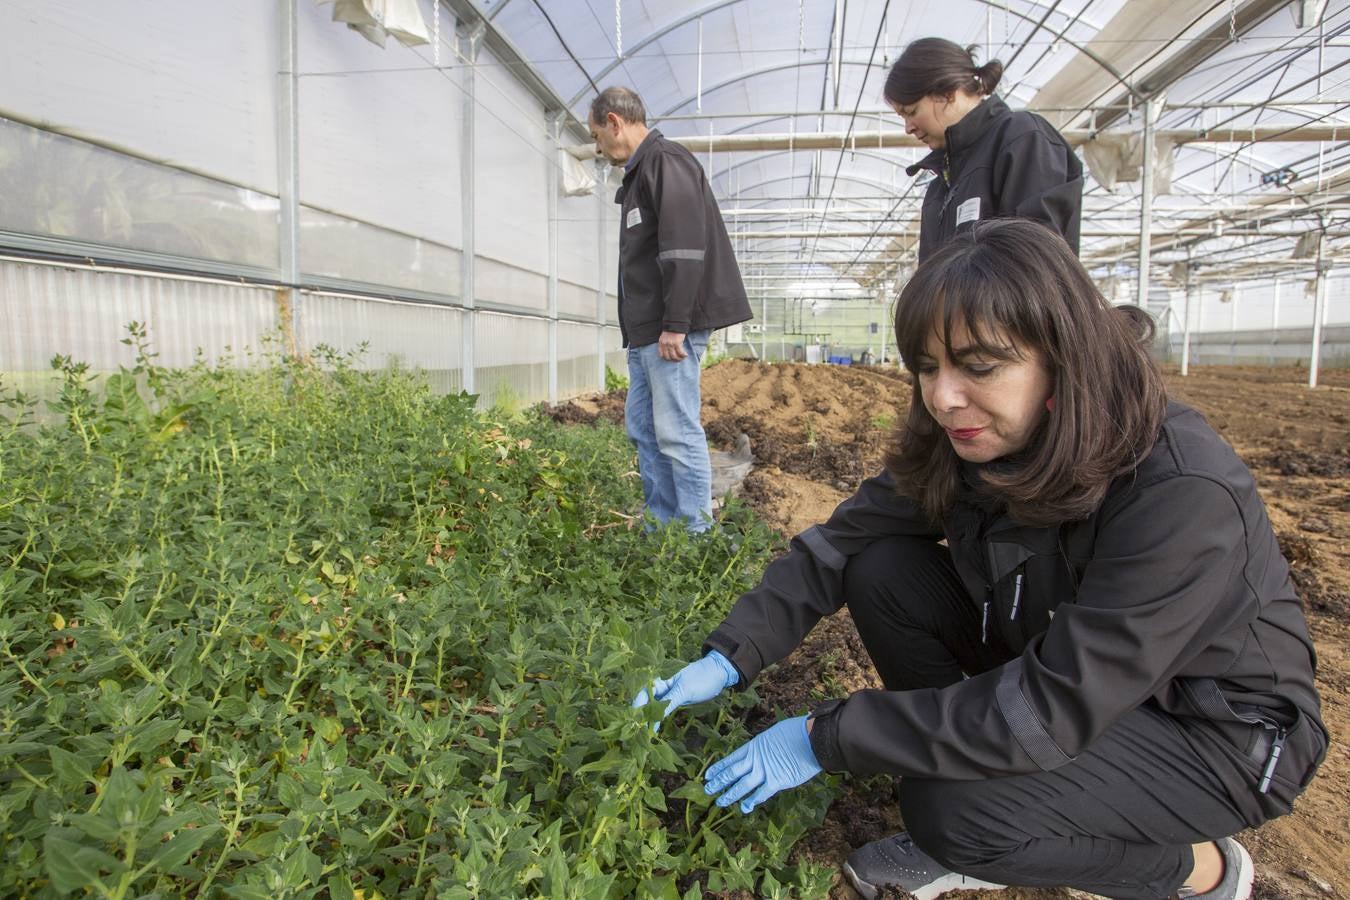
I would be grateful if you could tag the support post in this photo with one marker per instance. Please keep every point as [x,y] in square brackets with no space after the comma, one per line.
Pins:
[601,210]
[1186,324]
[469,39]
[763,323]
[1151,107]
[1319,311]
[1275,324]
[551,167]
[288,180]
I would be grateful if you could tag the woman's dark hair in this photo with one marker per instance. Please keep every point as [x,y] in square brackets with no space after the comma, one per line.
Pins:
[936,67]
[1013,281]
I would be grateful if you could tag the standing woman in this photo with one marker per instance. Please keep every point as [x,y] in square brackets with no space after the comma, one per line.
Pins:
[1096,668]
[988,161]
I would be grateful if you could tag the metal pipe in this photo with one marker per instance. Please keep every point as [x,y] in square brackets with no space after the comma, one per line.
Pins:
[1186,323]
[551,187]
[288,172]
[1146,202]
[1319,312]
[602,210]
[841,140]
[468,51]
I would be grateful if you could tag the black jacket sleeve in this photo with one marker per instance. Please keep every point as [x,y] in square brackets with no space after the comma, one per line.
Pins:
[677,191]
[805,584]
[1039,178]
[1158,587]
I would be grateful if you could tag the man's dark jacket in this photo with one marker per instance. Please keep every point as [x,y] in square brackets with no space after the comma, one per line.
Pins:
[677,271]
[997,164]
[1173,594]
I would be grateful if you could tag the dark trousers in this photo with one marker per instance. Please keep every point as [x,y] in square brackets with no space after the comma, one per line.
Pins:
[1117,821]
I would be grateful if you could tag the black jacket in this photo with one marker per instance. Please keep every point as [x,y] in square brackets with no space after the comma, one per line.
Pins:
[1000,163]
[677,271]
[1174,593]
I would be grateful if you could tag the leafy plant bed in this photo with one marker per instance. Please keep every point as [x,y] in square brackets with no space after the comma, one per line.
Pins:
[307,631]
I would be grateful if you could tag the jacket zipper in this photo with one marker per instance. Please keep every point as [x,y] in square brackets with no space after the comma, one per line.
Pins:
[1276,749]
[984,618]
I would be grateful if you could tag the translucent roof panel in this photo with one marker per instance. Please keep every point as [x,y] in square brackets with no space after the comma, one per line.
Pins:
[779,68]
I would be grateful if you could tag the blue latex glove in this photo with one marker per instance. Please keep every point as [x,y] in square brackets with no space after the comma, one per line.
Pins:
[696,682]
[769,762]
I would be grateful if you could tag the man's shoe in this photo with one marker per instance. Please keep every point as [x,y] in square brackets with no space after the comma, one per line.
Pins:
[896,862]
[1238,874]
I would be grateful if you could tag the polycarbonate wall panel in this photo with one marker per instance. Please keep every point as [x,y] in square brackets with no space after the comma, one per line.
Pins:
[47,310]
[578,238]
[577,300]
[54,186]
[510,359]
[496,282]
[578,368]
[1286,347]
[337,247]
[380,130]
[1255,305]
[191,83]
[397,335]
[616,357]
[512,155]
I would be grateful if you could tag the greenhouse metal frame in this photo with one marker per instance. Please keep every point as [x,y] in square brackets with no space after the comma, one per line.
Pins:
[227,171]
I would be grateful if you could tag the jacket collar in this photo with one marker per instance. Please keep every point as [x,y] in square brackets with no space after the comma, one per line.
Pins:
[962,136]
[635,161]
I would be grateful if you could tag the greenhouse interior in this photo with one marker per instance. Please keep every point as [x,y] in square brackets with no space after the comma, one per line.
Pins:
[327,566]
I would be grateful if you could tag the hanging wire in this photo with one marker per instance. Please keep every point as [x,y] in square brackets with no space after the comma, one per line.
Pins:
[885,40]
[436,33]
[1232,20]
[618,28]
[801,26]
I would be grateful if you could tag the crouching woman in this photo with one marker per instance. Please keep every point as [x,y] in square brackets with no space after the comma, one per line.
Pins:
[1103,672]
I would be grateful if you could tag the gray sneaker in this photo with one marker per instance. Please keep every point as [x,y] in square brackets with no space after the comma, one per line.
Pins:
[1238,874]
[896,862]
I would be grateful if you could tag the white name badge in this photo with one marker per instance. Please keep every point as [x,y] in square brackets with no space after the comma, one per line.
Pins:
[968,211]
[635,216]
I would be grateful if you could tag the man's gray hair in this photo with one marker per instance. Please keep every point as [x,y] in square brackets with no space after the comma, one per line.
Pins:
[623,102]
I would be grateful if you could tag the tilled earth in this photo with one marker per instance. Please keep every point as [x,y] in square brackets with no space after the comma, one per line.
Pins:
[817,431]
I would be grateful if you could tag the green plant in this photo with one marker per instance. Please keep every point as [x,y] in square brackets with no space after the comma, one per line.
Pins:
[615,381]
[306,630]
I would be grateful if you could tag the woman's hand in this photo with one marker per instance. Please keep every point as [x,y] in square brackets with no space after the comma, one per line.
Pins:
[695,683]
[771,761]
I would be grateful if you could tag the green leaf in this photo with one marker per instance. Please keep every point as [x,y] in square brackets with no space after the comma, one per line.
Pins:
[346,803]
[72,866]
[122,798]
[340,887]
[264,845]
[150,736]
[654,798]
[328,728]
[70,769]
[182,845]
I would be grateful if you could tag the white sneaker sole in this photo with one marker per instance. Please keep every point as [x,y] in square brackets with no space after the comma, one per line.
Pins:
[949,882]
[1246,872]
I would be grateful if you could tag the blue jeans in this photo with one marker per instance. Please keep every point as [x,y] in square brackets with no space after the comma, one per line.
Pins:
[662,419]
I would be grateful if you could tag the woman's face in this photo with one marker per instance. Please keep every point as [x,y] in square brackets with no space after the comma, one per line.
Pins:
[989,406]
[929,118]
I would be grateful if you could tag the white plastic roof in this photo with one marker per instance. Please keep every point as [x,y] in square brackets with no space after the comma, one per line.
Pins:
[719,67]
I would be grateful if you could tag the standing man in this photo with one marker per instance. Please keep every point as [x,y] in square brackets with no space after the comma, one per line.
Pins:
[678,280]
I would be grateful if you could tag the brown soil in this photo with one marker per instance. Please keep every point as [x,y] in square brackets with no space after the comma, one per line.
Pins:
[816,431]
